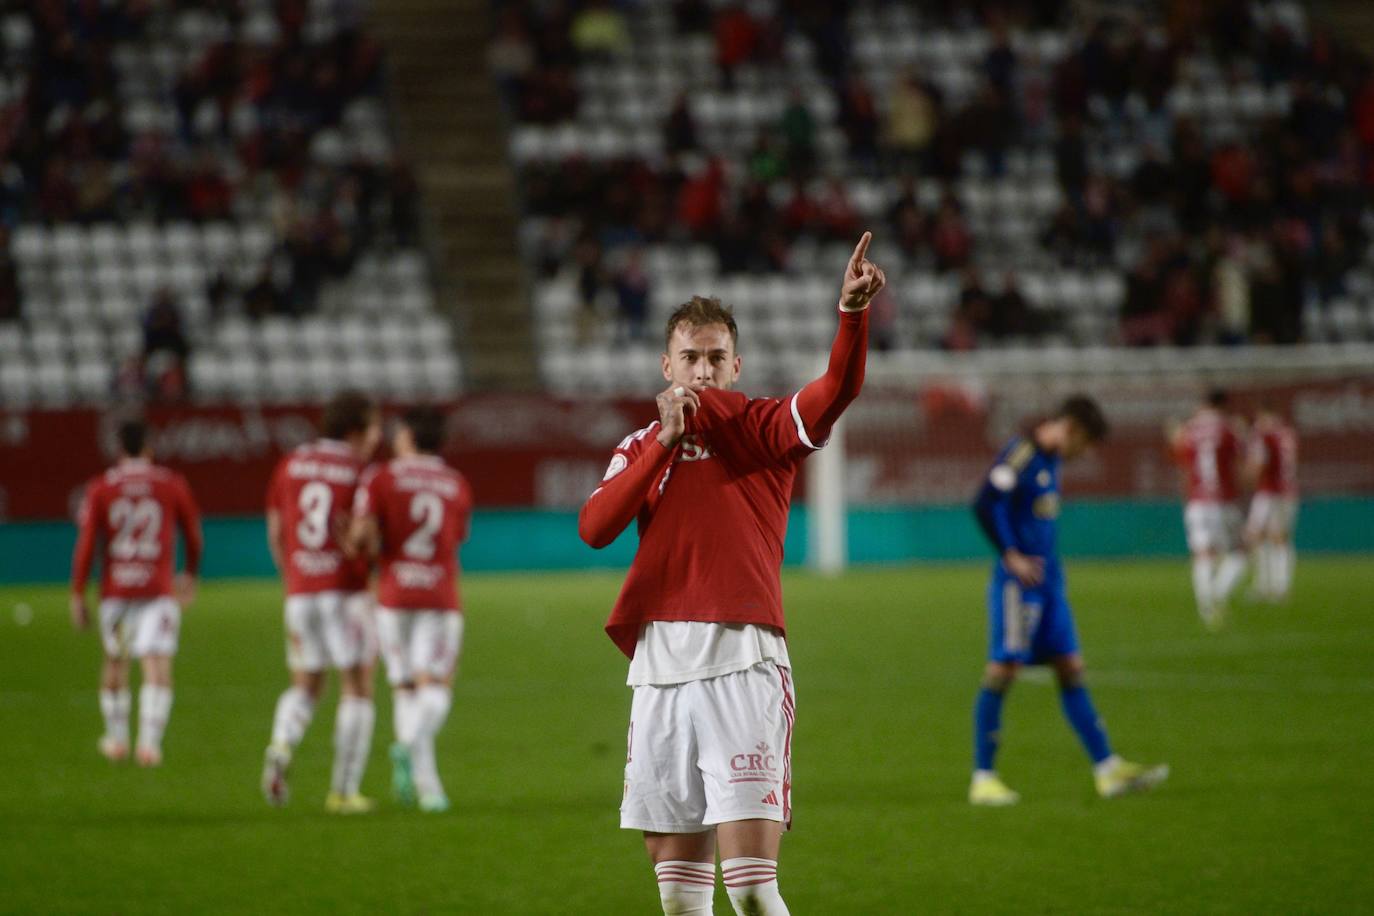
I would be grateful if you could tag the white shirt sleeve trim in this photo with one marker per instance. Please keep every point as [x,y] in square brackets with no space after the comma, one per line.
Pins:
[801,427]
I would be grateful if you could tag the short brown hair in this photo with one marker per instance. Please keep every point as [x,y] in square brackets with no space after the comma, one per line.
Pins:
[1084,411]
[348,412]
[426,425]
[698,312]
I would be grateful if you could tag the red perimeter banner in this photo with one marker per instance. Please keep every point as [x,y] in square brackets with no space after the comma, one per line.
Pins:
[925,444]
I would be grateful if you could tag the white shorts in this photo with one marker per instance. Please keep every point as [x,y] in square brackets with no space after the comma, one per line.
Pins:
[1212,527]
[136,627]
[329,630]
[419,642]
[1271,515]
[710,751]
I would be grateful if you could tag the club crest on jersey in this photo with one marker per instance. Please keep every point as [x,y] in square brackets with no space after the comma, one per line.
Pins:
[1046,506]
[1043,478]
[693,449]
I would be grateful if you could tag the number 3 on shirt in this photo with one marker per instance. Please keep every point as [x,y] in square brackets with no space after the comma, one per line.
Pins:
[428,510]
[315,500]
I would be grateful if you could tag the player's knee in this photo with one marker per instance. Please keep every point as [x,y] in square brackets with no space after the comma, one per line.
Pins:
[1069,675]
[999,678]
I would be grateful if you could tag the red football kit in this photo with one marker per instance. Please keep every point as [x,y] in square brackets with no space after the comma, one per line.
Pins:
[713,509]
[423,509]
[133,509]
[1277,449]
[312,492]
[1208,452]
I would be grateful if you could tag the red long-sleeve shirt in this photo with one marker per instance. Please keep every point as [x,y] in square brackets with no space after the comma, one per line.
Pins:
[133,510]
[712,510]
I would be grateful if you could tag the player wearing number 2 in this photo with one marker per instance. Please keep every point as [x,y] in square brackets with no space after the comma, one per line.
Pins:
[133,509]
[412,513]
[709,763]
[328,614]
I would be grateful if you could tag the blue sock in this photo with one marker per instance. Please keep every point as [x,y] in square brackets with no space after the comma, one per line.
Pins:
[1078,709]
[987,727]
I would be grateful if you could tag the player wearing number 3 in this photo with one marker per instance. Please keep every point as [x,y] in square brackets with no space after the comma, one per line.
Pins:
[412,513]
[700,615]
[328,614]
[133,509]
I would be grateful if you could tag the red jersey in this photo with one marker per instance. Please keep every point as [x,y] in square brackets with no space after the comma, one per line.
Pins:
[1274,449]
[712,511]
[1209,451]
[132,510]
[423,509]
[312,493]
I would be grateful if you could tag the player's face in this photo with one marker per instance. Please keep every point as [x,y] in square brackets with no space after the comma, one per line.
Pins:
[402,442]
[702,357]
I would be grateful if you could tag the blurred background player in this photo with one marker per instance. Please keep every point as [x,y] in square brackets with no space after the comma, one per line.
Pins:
[132,510]
[413,513]
[700,614]
[1208,450]
[328,608]
[1272,463]
[1029,615]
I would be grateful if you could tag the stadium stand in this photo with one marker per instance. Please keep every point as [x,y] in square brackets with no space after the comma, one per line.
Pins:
[202,199]
[1148,174]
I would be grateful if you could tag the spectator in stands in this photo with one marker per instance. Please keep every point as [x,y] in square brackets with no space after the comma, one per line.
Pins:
[859,120]
[599,31]
[1009,314]
[839,220]
[591,279]
[632,291]
[510,58]
[737,39]
[11,305]
[912,119]
[949,235]
[798,129]
[1230,287]
[165,349]
[680,129]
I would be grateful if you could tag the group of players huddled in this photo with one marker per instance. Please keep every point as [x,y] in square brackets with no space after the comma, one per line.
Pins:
[332,521]
[708,770]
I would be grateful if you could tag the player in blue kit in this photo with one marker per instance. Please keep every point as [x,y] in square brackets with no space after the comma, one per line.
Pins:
[1029,616]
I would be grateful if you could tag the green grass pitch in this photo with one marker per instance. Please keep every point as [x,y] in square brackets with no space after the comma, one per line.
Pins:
[1269,728]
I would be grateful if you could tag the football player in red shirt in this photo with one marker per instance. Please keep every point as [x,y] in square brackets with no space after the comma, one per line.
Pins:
[700,614]
[328,609]
[1272,465]
[412,513]
[132,510]
[1207,449]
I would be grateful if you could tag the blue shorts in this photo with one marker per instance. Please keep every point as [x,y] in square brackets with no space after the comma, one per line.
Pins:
[1029,626]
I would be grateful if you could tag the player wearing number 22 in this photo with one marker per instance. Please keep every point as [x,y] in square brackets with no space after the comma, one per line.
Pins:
[328,614]
[1029,618]
[700,614]
[133,509]
[412,513]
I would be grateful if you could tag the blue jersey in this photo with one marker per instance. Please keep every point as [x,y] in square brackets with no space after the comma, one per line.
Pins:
[1018,504]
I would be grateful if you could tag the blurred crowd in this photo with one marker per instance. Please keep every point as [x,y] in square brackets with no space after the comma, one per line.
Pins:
[250,126]
[1222,238]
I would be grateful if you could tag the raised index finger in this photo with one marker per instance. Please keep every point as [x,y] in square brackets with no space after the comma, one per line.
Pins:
[860,250]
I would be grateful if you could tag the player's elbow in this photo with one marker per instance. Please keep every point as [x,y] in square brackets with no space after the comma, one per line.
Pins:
[595,535]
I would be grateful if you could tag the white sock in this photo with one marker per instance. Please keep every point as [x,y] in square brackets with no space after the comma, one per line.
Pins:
[753,886]
[295,709]
[423,768]
[1106,765]
[405,717]
[154,705]
[1285,559]
[434,701]
[1228,575]
[114,706]
[1202,584]
[352,741]
[686,888]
